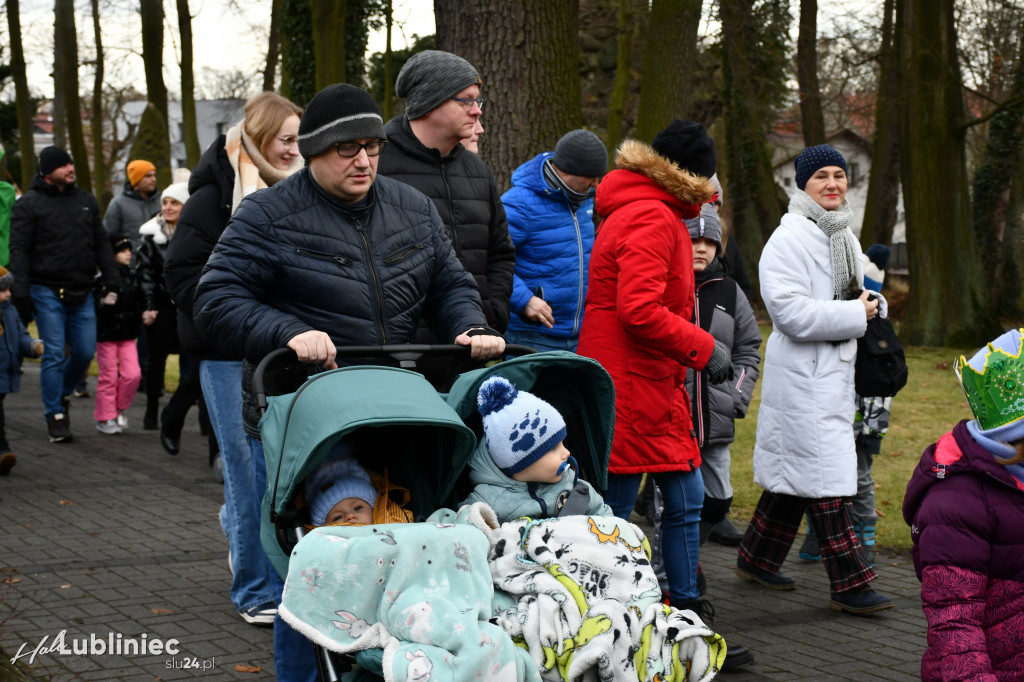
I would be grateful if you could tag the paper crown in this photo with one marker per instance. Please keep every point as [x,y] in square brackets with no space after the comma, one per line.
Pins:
[993,381]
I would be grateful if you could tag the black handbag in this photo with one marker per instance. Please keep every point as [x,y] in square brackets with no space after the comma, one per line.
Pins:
[73,295]
[881,366]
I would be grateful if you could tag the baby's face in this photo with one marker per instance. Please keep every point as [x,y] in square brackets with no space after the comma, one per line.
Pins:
[547,469]
[350,510]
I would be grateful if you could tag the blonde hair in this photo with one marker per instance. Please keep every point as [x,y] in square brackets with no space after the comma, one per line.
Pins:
[1016,459]
[265,113]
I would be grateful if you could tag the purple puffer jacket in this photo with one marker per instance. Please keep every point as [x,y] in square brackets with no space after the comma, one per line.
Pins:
[966,517]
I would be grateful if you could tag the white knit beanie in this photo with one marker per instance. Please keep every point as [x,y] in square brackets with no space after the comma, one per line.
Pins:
[519,427]
[178,190]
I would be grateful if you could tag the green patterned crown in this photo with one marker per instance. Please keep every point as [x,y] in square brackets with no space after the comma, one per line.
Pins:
[993,381]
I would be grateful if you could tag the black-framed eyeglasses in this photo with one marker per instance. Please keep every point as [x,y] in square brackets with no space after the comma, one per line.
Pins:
[468,102]
[350,149]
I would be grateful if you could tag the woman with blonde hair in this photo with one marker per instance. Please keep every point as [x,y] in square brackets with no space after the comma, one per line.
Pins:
[259,151]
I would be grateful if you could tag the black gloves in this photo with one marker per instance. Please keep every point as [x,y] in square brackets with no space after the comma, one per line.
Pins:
[26,309]
[719,367]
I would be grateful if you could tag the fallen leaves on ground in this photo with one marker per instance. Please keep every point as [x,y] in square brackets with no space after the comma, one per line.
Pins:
[243,668]
[161,612]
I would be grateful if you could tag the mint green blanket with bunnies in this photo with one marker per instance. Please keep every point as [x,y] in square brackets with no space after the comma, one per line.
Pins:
[422,592]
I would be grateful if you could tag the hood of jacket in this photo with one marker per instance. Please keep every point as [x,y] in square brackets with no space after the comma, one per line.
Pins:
[641,173]
[214,169]
[133,193]
[530,176]
[954,454]
[400,134]
[154,227]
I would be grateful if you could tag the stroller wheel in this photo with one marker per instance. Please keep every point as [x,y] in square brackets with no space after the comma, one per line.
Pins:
[218,469]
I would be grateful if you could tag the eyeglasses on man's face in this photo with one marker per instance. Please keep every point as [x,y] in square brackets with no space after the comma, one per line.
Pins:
[468,102]
[351,149]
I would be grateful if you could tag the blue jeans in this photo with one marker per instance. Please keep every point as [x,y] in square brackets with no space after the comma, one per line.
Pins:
[294,655]
[683,495]
[540,341]
[60,324]
[240,516]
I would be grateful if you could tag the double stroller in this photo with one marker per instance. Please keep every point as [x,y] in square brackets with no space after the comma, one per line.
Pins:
[422,441]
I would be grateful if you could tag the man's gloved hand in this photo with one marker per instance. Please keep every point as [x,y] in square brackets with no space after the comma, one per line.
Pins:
[26,309]
[719,367]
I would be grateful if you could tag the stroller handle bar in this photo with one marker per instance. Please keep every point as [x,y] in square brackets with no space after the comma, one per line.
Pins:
[405,354]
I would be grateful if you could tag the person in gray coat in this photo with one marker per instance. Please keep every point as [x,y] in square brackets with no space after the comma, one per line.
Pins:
[722,309]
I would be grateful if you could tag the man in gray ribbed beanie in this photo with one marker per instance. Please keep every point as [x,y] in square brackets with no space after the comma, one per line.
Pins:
[430,78]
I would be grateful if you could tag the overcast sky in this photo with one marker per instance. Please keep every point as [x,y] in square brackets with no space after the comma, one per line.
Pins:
[223,38]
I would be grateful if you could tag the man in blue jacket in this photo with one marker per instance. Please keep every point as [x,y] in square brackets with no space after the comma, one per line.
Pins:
[550,211]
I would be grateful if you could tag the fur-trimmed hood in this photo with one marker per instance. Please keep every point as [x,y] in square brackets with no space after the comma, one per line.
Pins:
[635,158]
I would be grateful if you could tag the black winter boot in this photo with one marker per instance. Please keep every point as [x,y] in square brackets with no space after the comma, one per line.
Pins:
[735,654]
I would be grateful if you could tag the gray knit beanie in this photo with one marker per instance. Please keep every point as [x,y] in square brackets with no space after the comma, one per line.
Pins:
[338,113]
[429,78]
[706,225]
[581,152]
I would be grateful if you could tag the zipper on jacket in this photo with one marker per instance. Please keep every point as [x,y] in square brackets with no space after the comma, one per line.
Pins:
[582,275]
[697,402]
[320,255]
[376,282]
[404,253]
[454,233]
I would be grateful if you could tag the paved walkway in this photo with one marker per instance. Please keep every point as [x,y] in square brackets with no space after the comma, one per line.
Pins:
[111,536]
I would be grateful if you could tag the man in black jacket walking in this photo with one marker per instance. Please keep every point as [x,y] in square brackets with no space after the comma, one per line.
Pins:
[57,244]
[442,107]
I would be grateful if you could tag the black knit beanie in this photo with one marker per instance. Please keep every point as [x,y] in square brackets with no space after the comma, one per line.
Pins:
[429,78]
[581,152]
[687,145]
[813,158]
[52,158]
[339,113]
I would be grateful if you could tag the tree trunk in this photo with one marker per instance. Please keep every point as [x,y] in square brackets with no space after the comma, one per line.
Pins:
[328,29]
[751,188]
[152,53]
[948,305]
[188,88]
[884,178]
[22,99]
[529,65]
[273,46]
[389,74]
[99,160]
[298,61]
[993,182]
[807,74]
[72,102]
[669,56]
[59,112]
[620,90]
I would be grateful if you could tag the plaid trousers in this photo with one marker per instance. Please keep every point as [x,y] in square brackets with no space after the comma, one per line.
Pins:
[776,522]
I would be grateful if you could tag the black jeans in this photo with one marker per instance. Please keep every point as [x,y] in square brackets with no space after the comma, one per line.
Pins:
[161,341]
[4,447]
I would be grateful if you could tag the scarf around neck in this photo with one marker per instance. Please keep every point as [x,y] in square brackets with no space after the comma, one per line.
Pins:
[252,171]
[843,248]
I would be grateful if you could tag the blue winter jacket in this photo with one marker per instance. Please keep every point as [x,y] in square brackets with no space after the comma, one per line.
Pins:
[552,249]
[15,343]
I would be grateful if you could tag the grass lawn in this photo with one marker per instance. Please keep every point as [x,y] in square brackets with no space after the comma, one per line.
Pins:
[930,404]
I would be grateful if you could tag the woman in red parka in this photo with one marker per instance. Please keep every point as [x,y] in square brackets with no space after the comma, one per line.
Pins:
[636,323]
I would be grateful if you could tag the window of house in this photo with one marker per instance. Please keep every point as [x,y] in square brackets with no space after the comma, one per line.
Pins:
[854,175]
[787,181]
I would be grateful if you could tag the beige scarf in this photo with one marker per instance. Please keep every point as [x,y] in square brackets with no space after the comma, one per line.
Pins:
[252,171]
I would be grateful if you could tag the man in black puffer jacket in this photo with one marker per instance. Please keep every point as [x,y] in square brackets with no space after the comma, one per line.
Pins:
[442,93]
[334,255]
[57,245]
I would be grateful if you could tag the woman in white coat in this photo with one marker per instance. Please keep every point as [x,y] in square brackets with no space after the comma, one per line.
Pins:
[804,457]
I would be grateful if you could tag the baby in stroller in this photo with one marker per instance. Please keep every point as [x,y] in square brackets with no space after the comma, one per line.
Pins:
[564,594]
[520,467]
[339,491]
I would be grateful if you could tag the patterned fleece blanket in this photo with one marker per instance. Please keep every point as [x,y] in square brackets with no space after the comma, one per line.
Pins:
[421,592]
[585,600]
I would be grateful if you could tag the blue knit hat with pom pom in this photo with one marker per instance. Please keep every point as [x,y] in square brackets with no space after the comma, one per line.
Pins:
[519,427]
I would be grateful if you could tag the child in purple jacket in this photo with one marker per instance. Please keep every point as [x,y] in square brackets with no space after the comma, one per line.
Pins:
[965,508]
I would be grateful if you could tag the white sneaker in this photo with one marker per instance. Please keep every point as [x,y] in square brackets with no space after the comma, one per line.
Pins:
[261,615]
[122,421]
[108,427]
